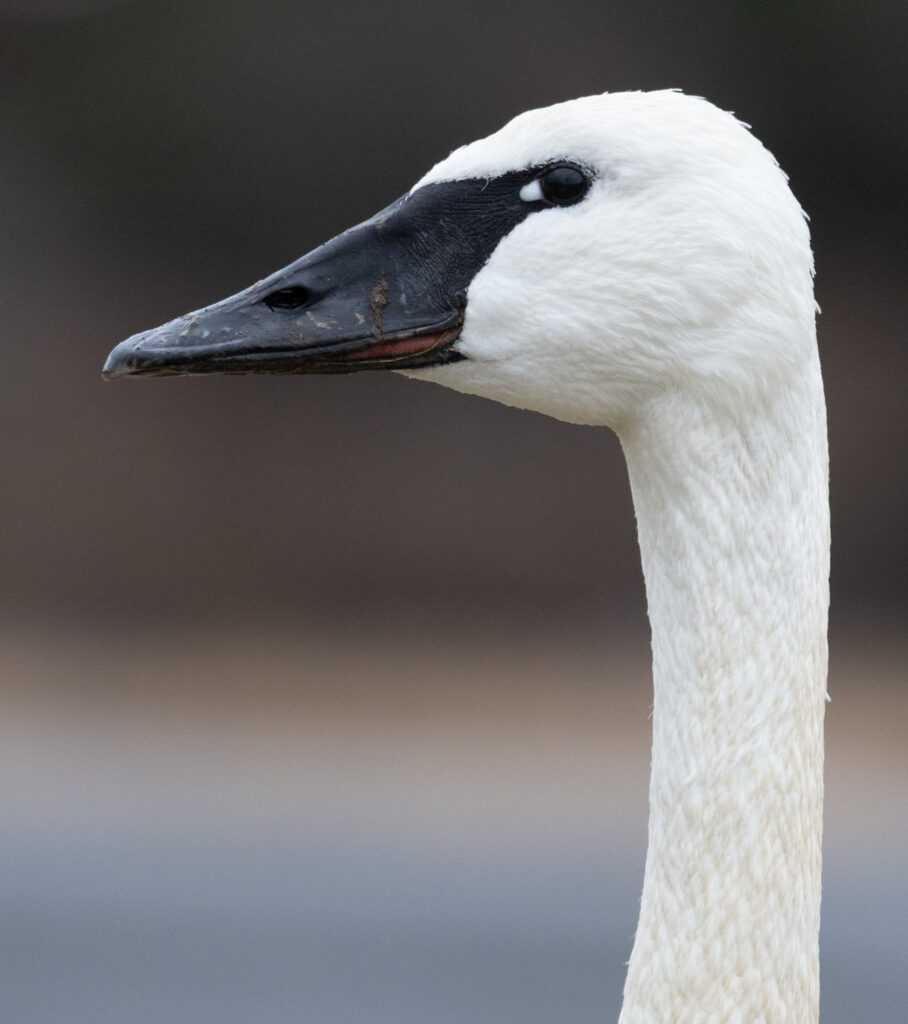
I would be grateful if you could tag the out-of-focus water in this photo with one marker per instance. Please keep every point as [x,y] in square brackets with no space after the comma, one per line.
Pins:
[331,936]
[446,856]
[194,933]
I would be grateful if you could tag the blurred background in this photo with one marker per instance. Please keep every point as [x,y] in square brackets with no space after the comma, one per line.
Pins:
[327,699]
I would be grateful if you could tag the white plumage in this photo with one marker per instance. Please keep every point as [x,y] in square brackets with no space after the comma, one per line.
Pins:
[675,305]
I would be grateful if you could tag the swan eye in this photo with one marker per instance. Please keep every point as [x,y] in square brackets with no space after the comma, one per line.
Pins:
[562,185]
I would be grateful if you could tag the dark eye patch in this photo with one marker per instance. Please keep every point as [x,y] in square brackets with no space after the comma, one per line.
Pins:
[419,255]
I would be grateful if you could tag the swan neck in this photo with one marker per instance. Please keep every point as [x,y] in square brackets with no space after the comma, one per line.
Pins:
[732,512]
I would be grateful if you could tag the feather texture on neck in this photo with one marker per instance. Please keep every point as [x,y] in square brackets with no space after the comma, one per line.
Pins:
[734,536]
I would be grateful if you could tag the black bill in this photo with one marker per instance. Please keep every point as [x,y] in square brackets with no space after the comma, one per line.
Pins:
[388,294]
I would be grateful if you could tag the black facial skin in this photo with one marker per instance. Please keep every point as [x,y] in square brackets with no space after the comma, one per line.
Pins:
[387,294]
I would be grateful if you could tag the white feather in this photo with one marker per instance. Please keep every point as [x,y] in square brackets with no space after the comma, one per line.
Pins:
[532,191]
[675,305]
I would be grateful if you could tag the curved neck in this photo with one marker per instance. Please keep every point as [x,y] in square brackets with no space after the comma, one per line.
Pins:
[732,512]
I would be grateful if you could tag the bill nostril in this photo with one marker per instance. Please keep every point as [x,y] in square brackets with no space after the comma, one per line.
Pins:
[288,298]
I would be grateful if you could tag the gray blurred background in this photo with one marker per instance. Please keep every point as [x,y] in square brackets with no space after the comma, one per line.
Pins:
[327,699]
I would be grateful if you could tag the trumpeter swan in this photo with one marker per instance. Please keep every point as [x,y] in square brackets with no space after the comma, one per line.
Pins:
[633,260]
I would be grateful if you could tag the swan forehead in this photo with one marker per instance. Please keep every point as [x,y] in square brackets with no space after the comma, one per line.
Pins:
[643,133]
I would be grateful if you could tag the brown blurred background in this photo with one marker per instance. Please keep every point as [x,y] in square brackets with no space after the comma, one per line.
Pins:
[326,699]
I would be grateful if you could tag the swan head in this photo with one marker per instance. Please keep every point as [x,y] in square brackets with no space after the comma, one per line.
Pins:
[581,261]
